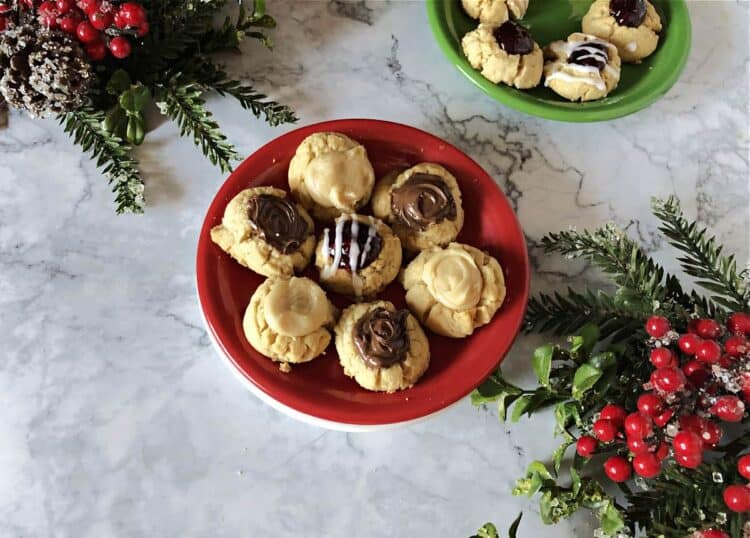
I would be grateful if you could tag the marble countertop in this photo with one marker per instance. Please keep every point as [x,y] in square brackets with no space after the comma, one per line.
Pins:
[117,418]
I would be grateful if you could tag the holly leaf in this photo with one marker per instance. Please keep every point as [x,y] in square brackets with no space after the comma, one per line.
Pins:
[488,530]
[135,99]
[586,339]
[611,519]
[565,412]
[542,363]
[505,401]
[521,405]
[118,82]
[559,453]
[585,377]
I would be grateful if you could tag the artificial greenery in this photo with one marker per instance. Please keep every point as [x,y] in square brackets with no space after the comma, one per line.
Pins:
[607,361]
[173,67]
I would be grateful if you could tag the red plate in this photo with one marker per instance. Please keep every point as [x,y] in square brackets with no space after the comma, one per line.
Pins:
[319,389]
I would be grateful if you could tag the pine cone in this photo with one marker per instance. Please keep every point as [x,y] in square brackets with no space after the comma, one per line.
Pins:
[43,71]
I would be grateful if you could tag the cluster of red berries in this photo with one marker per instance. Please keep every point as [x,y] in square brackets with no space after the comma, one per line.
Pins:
[100,25]
[691,387]
[737,496]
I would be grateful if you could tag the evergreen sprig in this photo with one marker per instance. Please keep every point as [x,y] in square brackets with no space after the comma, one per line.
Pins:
[703,258]
[181,100]
[112,155]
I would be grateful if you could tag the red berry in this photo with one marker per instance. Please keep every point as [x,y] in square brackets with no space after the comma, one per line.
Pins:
[696,372]
[638,425]
[100,21]
[657,326]
[120,21]
[737,498]
[745,385]
[63,6]
[3,24]
[615,413]
[710,533]
[132,13]
[604,430]
[728,408]
[646,465]
[143,29]
[691,423]
[650,404]
[690,462]
[688,343]
[47,12]
[88,6]
[708,351]
[617,469]
[668,380]
[739,323]
[4,8]
[687,443]
[743,466]
[586,446]
[663,451]
[87,33]
[68,24]
[97,51]
[638,445]
[120,47]
[736,346]
[712,433]
[707,328]
[663,419]
[663,357]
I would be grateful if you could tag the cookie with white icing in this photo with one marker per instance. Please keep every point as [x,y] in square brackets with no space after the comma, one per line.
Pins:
[506,53]
[495,11]
[289,320]
[382,348]
[632,26]
[583,68]
[358,256]
[330,174]
[454,290]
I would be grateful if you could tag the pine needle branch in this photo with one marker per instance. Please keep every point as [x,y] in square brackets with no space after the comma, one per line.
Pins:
[182,102]
[620,257]
[703,257]
[111,153]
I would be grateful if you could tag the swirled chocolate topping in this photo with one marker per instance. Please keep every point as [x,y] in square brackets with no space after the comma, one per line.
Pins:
[422,200]
[278,222]
[590,53]
[381,338]
[352,239]
[628,12]
[513,38]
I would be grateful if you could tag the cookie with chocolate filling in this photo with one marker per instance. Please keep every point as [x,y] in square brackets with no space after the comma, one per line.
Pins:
[422,205]
[265,231]
[382,348]
[330,174]
[495,11]
[454,290]
[583,68]
[632,26]
[358,256]
[505,53]
[289,320]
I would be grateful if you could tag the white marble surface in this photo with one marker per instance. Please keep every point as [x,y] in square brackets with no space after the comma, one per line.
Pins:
[116,417]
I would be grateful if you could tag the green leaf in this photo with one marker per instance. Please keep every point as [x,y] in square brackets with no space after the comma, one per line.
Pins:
[575,482]
[505,401]
[135,99]
[538,468]
[542,363]
[493,388]
[585,340]
[136,130]
[520,406]
[118,82]
[513,531]
[559,453]
[611,519]
[488,530]
[564,413]
[115,121]
[604,361]
[585,377]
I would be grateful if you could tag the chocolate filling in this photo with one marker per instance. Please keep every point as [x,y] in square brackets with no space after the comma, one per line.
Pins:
[422,200]
[381,337]
[278,222]
[513,38]
[628,12]
[366,252]
[590,53]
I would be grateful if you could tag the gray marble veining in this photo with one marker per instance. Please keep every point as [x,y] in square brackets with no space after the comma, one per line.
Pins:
[117,419]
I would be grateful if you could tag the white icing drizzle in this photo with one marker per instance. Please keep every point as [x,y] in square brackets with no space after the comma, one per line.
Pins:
[356,258]
[330,268]
[371,231]
[589,74]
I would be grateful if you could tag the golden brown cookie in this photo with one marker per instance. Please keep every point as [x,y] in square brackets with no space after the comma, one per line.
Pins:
[381,348]
[505,53]
[358,256]
[632,26]
[583,68]
[495,11]
[330,174]
[288,320]
[454,290]
[422,205]
[265,231]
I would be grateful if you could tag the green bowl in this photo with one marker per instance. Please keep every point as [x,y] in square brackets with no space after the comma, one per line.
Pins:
[549,20]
